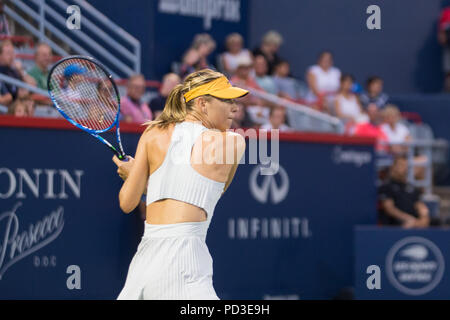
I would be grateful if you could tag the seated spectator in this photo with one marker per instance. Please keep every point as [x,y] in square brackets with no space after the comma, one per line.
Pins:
[400,201]
[323,81]
[287,86]
[374,93]
[258,114]
[371,128]
[277,120]
[5,96]
[196,57]
[25,76]
[30,105]
[132,108]
[347,106]
[43,59]
[395,131]
[241,118]
[270,45]
[444,41]
[4,26]
[263,80]
[22,108]
[235,51]
[8,68]
[158,103]
[243,78]
[243,75]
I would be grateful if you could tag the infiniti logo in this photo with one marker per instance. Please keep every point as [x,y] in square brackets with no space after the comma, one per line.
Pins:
[268,185]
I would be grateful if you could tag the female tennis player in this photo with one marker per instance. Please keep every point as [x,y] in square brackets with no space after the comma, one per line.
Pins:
[183,162]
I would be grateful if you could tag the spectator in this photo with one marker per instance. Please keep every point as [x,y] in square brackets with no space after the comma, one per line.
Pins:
[347,106]
[196,57]
[263,80]
[400,201]
[241,118]
[7,66]
[132,108]
[287,86]
[395,131]
[169,82]
[374,93]
[73,77]
[243,76]
[371,128]
[235,51]
[5,96]
[21,108]
[323,81]
[444,40]
[277,120]
[30,105]
[270,45]
[25,76]
[105,93]
[4,26]
[43,58]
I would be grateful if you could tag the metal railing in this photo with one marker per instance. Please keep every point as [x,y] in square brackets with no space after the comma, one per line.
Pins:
[106,40]
[301,117]
[425,148]
[21,84]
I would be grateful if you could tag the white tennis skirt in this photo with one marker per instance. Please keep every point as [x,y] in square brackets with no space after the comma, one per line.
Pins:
[172,262]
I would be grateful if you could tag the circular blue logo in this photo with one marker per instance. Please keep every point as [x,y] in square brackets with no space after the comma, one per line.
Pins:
[415,266]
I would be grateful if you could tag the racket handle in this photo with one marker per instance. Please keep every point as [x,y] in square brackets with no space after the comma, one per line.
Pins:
[123,158]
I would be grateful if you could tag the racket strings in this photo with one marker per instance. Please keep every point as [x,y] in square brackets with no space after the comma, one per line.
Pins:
[84,92]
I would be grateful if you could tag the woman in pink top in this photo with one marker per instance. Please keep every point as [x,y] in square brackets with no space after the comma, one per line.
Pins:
[131,107]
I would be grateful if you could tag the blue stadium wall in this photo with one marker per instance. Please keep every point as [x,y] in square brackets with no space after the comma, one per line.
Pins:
[286,235]
[404,52]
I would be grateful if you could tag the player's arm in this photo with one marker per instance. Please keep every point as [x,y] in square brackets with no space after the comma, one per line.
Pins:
[135,183]
[238,150]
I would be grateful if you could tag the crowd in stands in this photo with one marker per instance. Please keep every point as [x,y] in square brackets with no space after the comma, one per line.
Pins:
[326,89]
[365,112]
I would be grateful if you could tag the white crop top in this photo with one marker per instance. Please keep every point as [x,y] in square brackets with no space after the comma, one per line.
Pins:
[176,179]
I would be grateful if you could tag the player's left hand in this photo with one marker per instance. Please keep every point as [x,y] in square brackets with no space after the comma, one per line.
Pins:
[123,167]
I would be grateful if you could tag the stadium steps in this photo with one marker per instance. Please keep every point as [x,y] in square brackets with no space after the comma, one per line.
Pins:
[98,36]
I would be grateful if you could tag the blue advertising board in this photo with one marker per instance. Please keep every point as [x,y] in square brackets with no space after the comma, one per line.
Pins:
[394,263]
[290,235]
[287,235]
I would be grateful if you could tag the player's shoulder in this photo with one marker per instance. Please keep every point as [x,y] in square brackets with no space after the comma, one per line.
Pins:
[231,135]
[227,140]
[157,135]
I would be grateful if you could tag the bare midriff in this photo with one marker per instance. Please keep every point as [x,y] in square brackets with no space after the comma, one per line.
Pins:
[167,211]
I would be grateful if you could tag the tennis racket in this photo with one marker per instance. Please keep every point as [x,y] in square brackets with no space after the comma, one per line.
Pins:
[85,94]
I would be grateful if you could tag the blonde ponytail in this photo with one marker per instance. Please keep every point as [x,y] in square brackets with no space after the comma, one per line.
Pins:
[176,109]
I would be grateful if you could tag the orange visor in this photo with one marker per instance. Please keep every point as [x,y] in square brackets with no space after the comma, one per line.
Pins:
[219,88]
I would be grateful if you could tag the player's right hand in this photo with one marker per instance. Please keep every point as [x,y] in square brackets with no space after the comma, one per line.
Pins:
[123,167]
